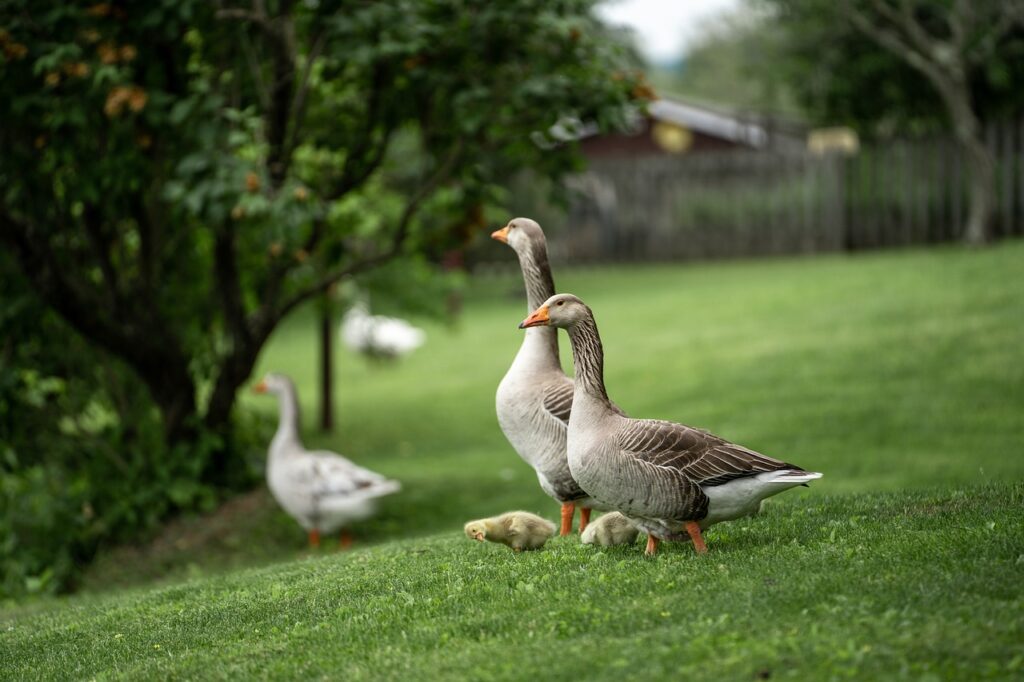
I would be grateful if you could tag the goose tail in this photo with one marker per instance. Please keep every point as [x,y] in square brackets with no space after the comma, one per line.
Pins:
[795,476]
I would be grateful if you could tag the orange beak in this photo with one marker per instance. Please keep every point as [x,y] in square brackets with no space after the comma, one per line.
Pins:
[538,318]
[479,537]
[501,235]
[260,387]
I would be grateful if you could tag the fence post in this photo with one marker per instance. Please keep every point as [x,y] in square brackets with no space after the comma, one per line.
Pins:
[835,204]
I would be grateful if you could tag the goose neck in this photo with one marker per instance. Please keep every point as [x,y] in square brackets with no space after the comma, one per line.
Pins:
[288,423]
[540,286]
[588,359]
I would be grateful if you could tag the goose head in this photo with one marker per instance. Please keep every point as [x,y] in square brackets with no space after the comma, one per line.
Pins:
[477,530]
[520,234]
[273,383]
[561,310]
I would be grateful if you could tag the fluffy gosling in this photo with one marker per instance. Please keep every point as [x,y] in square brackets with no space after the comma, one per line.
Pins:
[610,529]
[518,530]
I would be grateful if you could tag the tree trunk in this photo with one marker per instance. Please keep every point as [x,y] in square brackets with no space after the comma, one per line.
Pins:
[982,195]
[225,469]
[326,366]
[980,164]
[174,393]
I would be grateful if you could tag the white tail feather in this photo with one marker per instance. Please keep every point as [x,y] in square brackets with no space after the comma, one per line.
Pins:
[359,495]
[792,476]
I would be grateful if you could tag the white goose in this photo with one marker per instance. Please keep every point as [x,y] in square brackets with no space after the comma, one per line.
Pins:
[379,336]
[665,477]
[534,398]
[321,490]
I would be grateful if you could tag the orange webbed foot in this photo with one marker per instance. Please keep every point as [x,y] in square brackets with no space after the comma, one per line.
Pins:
[568,509]
[698,540]
[584,518]
[652,545]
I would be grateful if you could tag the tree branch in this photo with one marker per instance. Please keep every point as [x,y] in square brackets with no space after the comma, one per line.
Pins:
[254,69]
[101,249]
[147,239]
[124,339]
[360,163]
[892,42]
[905,20]
[299,103]
[413,204]
[1011,14]
[256,17]
[280,32]
[225,265]
[39,266]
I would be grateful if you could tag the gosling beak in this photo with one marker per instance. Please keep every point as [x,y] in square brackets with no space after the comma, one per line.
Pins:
[501,235]
[538,318]
[479,537]
[260,387]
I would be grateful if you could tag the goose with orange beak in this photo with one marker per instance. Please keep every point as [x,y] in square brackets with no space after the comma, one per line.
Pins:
[534,398]
[671,481]
[321,490]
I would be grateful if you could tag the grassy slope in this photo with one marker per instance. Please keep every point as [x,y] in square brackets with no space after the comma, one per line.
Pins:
[873,586]
[886,371]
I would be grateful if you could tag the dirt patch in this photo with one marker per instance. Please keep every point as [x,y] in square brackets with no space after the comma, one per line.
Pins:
[248,529]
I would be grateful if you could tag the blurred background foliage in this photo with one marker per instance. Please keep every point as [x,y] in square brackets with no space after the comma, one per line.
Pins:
[179,176]
[804,60]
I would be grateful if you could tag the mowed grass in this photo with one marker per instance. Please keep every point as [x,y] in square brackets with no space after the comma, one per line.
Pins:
[867,586]
[899,375]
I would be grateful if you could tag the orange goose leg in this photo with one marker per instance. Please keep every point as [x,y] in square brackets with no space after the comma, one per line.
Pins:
[568,509]
[345,539]
[584,518]
[698,540]
[314,538]
[652,545]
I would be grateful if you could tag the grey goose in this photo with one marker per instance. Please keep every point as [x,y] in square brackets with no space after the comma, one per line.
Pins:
[670,480]
[534,398]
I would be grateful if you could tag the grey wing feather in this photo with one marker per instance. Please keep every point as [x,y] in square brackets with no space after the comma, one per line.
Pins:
[335,475]
[703,458]
[558,400]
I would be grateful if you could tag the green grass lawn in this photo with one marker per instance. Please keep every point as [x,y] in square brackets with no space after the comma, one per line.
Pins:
[899,375]
[866,586]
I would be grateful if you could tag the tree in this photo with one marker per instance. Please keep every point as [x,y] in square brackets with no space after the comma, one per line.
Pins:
[949,44]
[735,63]
[179,177]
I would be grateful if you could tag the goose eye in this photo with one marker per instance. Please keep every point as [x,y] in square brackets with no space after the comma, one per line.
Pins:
[560,302]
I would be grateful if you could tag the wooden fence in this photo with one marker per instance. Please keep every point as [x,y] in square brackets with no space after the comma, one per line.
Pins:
[739,203]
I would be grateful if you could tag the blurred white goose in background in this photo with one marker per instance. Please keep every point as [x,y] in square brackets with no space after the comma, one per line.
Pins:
[321,490]
[377,336]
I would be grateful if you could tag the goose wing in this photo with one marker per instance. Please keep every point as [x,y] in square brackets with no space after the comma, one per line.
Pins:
[558,401]
[331,474]
[701,457]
